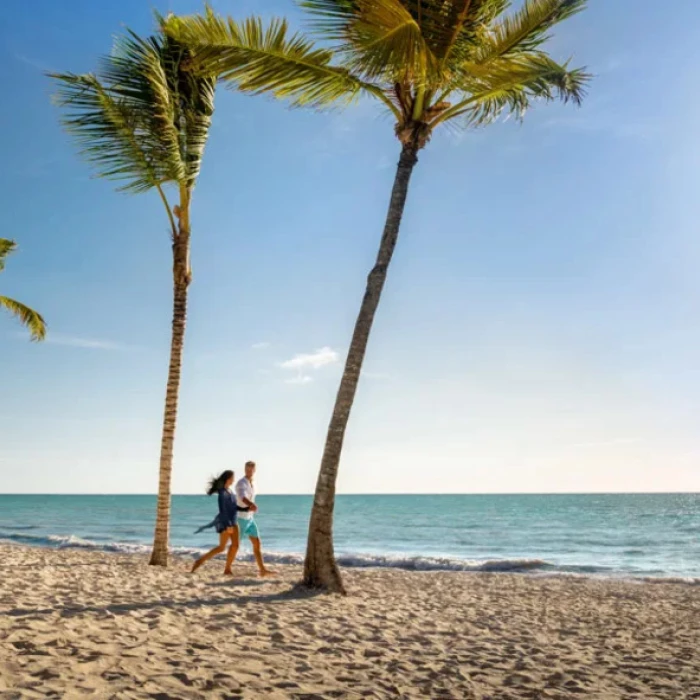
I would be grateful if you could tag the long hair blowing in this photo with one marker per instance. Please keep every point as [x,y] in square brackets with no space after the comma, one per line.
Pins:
[219,482]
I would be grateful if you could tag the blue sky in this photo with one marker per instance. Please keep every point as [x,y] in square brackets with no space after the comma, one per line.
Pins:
[539,330]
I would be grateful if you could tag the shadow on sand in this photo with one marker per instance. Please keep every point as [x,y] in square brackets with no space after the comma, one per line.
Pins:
[296,592]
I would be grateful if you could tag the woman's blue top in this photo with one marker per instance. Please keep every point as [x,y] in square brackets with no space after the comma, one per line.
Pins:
[228,511]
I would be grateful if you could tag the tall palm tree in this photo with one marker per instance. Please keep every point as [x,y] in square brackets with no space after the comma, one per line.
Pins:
[144,120]
[429,63]
[29,318]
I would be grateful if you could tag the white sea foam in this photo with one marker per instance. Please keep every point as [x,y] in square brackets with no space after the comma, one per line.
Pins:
[538,567]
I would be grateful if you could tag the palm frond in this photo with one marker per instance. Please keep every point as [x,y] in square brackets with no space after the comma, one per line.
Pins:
[27,317]
[6,247]
[377,39]
[331,18]
[111,132]
[257,59]
[510,85]
[527,29]
[143,72]
[143,118]
[451,28]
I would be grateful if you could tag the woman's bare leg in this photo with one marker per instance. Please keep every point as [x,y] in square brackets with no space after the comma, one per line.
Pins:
[223,536]
[232,551]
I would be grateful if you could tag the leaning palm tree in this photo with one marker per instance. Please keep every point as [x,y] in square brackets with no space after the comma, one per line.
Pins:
[144,120]
[429,63]
[29,318]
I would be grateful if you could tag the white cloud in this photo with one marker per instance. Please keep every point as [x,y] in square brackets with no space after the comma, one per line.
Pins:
[87,343]
[260,346]
[322,357]
[299,379]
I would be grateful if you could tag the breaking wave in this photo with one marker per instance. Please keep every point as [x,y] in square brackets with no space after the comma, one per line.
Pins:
[367,561]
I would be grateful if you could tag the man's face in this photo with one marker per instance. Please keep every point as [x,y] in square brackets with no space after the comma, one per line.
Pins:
[249,471]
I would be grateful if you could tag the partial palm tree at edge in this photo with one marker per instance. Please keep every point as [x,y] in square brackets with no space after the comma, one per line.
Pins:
[144,120]
[428,62]
[29,318]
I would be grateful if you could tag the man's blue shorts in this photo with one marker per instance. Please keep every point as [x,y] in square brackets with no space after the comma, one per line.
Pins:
[247,527]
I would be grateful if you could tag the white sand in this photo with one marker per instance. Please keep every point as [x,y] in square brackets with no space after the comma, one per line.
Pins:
[75,624]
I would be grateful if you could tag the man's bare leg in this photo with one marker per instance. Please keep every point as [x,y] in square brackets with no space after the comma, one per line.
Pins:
[257,552]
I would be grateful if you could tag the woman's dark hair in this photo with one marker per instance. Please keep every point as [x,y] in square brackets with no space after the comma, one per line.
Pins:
[219,482]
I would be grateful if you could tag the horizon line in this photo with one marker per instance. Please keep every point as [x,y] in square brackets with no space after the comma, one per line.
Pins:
[484,493]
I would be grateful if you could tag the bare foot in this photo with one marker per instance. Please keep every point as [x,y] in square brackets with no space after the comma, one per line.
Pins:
[195,566]
[266,573]
[228,572]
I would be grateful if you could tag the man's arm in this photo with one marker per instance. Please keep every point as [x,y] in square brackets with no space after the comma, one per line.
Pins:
[240,494]
[250,504]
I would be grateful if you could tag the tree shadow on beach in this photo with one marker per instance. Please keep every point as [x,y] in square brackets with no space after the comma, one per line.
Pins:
[293,593]
[237,583]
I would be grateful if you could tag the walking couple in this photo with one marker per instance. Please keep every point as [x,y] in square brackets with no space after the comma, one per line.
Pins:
[236,519]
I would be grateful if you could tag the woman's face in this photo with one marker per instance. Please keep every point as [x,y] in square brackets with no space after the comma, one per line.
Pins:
[229,482]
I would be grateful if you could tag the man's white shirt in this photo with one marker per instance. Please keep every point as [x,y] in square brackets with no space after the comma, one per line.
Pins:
[244,489]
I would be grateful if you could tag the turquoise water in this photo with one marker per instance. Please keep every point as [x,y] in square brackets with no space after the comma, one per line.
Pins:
[611,535]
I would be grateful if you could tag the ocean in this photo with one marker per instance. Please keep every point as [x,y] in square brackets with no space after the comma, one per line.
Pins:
[654,536]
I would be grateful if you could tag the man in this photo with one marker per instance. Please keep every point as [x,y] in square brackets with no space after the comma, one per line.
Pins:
[247,527]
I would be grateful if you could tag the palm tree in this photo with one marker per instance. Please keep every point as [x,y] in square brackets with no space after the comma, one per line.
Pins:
[28,317]
[144,120]
[429,63]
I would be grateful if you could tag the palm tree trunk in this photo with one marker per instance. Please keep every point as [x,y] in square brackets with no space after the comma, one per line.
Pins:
[181,282]
[320,567]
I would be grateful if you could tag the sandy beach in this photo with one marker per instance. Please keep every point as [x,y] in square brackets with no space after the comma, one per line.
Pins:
[84,623]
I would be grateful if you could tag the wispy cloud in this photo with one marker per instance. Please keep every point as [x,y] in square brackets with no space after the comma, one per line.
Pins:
[260,346]
[87,343]
[313,360]
[302,363]
[299,379]
[34,63]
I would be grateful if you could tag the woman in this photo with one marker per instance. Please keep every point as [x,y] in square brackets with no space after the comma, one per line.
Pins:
[225,521]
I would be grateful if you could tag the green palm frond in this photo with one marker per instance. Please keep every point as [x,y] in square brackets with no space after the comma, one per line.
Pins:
[142,72]
[332,18]
[142,119]
[453,27]
[109,132]
[429,61]
[511,85]
[377,39]
[27,317]
[258,59]
[527,29]
[6,247]
[399,39]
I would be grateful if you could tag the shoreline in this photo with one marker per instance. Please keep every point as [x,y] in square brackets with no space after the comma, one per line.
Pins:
[535,568]
[98,624]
